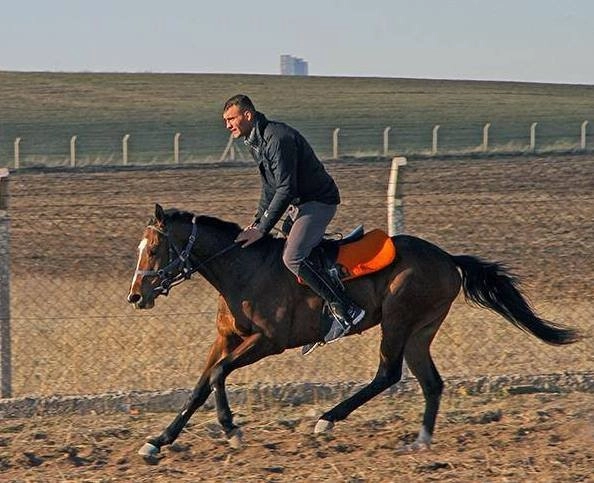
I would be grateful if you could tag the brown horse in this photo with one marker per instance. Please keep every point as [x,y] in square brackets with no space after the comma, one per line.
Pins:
[264,311]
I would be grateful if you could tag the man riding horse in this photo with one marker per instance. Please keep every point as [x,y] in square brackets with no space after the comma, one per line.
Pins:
[293,180]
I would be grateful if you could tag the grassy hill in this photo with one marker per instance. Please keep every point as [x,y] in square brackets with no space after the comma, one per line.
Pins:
[46,109]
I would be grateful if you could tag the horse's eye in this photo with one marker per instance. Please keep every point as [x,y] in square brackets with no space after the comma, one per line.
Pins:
[152,252]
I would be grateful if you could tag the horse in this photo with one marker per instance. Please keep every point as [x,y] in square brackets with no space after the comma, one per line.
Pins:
[263,310]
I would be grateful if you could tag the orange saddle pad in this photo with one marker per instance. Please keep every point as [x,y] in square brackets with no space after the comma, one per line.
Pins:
[369,254]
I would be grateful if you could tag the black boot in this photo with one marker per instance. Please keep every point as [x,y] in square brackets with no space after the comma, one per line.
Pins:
[345,313]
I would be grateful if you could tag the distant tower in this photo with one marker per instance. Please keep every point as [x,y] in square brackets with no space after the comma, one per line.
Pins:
[292,65]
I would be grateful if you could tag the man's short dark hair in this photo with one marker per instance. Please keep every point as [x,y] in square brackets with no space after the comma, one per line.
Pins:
[242,101]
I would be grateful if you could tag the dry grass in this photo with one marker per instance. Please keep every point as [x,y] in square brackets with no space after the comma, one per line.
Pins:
[46,109]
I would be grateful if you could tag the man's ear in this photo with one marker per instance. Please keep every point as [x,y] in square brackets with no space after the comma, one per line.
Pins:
[159,213]
[249,115]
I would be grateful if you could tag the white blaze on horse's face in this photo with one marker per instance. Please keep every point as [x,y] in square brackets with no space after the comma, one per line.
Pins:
[141,299]
[141,251]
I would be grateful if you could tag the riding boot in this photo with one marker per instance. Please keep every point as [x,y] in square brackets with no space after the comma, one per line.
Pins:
[345,313]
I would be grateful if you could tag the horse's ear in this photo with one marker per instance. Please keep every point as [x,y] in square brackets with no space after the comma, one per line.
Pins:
[159,213]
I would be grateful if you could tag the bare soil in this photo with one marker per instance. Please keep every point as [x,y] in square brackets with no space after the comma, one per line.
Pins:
[529,437]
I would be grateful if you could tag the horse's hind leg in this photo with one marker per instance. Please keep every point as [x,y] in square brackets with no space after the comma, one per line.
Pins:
[388,373]
[418,358]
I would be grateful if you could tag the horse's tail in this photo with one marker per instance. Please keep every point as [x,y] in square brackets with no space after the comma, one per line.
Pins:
[490,285]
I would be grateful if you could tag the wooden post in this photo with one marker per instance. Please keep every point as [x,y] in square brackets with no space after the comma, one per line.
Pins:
[17,153]
[486,136]
[5,347]
[395,207]
[434,147]
[176,147]
[533,136]
[387,140]
[396,215]
[335,143]
[125,149]
[583,140]
[73,151]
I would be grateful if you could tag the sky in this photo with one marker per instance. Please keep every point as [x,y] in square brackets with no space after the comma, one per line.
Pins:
[519,40]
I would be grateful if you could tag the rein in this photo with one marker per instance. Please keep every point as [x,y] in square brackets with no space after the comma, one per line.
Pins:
[167,277]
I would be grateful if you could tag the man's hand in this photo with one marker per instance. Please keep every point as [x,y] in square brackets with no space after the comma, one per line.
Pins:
[250,235]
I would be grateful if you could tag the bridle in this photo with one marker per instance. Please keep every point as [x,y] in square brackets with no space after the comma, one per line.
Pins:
[179,266]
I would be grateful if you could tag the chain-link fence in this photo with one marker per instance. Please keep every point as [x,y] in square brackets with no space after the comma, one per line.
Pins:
[73,250]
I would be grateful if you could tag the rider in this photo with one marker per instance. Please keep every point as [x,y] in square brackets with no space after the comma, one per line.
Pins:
[292,178]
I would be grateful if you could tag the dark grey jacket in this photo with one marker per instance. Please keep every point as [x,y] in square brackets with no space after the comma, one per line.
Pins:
[291,172]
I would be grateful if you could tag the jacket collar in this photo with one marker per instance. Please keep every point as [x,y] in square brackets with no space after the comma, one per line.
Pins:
[256,137]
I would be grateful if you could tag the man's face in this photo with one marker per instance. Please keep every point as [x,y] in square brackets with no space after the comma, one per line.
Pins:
[239,122]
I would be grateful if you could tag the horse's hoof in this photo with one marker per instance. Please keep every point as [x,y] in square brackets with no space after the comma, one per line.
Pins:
[234,439]
[323,426]
[148,451]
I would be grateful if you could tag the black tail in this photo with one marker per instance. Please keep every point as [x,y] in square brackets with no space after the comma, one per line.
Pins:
[490,285]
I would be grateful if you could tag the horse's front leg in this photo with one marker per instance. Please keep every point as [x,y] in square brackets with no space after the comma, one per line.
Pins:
[220,348]
[252,349]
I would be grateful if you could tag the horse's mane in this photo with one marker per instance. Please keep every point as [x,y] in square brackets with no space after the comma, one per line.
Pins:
[182,216]
[175,215]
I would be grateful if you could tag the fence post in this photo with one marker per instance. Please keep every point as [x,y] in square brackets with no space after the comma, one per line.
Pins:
[73,151]
[533,136]
[17,153]
[583,141]
[435,131]
[396,215]
[176,147]
[5,347]
[387,140]
[395,208]
[335,143]
[125,148]
[486,136]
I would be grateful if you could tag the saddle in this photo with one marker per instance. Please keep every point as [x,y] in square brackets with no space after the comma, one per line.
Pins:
[355,254]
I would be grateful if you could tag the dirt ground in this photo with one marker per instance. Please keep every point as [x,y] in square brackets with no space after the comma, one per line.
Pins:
[546,437]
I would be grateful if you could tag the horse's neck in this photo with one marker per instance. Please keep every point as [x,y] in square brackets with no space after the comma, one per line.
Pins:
[239,266]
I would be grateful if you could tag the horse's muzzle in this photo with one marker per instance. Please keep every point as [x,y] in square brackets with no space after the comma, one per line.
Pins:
[140,302]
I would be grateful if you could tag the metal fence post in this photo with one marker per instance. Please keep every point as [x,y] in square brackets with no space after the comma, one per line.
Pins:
[17,153]
[387,140]
[5,347]
[335,143]
[583,140]
[125,148]
[486,136]
[176,147]
[533,136]
[435,131]
[73,151]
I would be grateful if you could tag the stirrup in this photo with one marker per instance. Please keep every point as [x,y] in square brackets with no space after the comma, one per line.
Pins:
[337,330]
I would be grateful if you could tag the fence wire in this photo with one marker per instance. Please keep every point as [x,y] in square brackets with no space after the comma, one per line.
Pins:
[73,250]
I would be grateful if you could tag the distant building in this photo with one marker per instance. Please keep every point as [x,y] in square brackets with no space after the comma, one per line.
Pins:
[292,65]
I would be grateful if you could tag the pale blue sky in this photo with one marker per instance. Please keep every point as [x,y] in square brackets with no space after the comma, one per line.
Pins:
[525,40]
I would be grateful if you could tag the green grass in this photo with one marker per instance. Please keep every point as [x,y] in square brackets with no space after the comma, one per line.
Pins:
[46,109]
